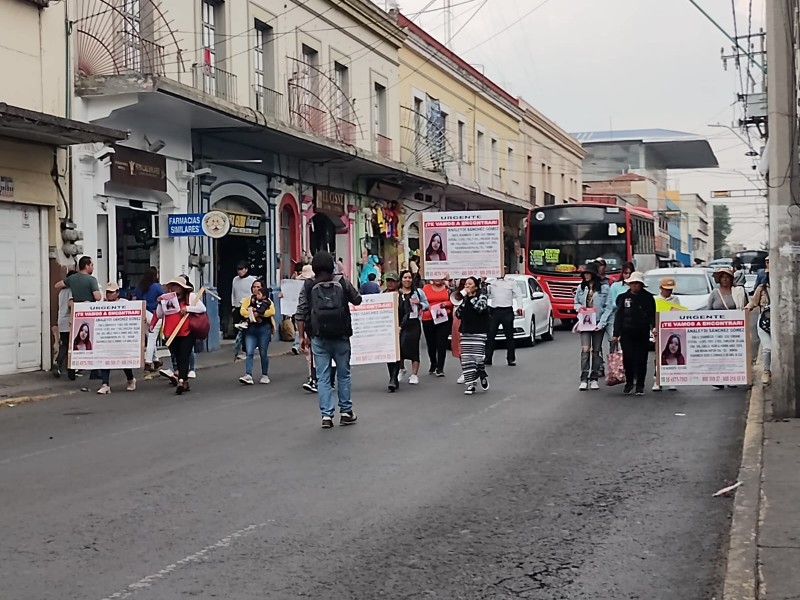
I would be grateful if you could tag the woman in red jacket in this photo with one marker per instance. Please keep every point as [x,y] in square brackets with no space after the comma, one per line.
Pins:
[437,324]
[181,347]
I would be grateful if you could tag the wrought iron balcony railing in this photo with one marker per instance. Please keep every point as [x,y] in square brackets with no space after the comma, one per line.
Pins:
[215,81]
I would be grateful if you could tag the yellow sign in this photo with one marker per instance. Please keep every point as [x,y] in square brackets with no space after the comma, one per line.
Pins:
[667,306]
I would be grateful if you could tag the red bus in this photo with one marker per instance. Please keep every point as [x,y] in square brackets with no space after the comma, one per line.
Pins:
[563,238]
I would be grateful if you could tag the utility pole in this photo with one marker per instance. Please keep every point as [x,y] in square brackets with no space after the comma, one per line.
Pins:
[448,23]
[784,207]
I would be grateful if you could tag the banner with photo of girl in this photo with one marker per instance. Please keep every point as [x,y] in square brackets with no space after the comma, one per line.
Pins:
[107,335]
[462,244]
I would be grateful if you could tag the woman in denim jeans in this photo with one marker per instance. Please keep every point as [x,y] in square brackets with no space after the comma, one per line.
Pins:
[591,294]
[258,309]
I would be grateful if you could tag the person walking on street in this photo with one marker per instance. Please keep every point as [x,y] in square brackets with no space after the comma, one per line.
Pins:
[324,309]
[739,273]
[169,373]
[150,290]
[602,270]
[83,285]
[112,295]
[259,310]
[371,286]
[728,296]
[633,323]
[435,326]
[666,288]
[502,294]
[183,344]
[240,289]
[590,296]
[392,287]
[761,300]
[411,304]
[64,313]
[474,315]
[607,323]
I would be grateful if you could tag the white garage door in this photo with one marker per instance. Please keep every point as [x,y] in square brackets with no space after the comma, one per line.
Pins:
[20,290]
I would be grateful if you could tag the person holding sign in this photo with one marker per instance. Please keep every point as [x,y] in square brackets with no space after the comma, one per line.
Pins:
[436,324]
[590,305]
[728,296]
[474,315]
[411,304]
[183,342]
[634,321]
[666,288]
[112,295]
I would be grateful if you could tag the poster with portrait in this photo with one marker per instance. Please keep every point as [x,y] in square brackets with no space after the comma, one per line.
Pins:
[703,348]
[107,335]
[375,336]
[462,244]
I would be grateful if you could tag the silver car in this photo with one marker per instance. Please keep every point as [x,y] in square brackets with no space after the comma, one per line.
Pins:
[693,285]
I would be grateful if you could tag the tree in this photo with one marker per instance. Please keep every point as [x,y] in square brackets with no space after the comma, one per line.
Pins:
[722,229]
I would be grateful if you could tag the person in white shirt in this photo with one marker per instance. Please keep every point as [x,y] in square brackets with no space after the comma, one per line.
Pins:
[240,289]
[502,294]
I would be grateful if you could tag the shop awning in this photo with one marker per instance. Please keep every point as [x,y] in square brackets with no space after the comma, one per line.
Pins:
[41,128]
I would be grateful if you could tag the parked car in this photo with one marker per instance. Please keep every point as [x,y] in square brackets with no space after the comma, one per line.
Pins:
[718,263]
[537,320]
[693,286]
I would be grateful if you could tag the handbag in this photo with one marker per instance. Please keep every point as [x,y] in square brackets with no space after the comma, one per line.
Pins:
[764,319]
[615,369]
[199,325]
[287,330]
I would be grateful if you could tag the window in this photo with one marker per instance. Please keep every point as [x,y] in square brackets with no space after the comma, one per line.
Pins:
[495,158]
[381,115]
[341,76]
[131,35]
[264,68]
[419,123]
[481,151]
[532,194]
[510,166]
[209,35]
[462,141]
[310,73]
[549,199]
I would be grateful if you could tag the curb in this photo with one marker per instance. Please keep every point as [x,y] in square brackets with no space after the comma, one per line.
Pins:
[741,571]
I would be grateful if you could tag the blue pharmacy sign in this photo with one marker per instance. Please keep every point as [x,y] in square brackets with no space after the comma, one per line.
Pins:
[185,225]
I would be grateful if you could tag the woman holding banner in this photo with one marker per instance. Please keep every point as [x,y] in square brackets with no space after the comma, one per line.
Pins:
[183,343]
[474,315]
[112,295]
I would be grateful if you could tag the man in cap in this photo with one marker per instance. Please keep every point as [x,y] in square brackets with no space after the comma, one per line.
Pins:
[112,295]
[666,288]
[633,323]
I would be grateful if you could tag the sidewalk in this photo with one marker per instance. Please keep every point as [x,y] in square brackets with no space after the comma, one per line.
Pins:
[764,550]
[41,385]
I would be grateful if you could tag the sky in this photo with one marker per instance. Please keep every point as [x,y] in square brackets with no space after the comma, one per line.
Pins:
[621,64]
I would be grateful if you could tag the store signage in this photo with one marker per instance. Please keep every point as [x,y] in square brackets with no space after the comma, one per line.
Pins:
[245,224]
[216,224]
[185,225]
[329,201]
[6,187]
[137,168]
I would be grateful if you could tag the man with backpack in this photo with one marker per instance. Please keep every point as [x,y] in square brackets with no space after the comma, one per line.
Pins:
[324,311]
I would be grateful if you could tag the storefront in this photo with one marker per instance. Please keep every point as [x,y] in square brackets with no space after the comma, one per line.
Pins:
[330,227]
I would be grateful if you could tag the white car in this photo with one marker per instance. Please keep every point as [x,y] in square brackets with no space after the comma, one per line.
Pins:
[537,319]
[693,285]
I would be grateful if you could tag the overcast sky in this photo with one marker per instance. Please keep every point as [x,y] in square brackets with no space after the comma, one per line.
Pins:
[621,64]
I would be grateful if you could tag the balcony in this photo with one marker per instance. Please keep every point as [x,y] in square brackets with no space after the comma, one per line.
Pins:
[214,81]
[384,145]
[346,130]
[269,102]
[424,140]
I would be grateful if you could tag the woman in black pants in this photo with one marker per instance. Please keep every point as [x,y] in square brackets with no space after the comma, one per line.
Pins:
[633,323]
[436,334]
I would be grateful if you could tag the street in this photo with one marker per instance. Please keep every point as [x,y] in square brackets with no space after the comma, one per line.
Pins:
[531,490]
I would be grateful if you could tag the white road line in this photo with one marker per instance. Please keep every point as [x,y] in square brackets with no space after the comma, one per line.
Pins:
[481,412]
[150,580]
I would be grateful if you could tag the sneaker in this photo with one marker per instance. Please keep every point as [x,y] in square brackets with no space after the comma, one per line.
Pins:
[241,356]
[309,386]
[246,379]
[242,326]
[484,382]
[327,422]
[432,370]
[640,391]
[348,418]
[656,387]
[192,374]
[295,350]
[166,373]
[460,380]
[104,389]
[131,387]
[413,380]
[470,390]
[56,371]
[264,379]
[402,374]
[157,364]
[628,389]
[583,386]
[181,387]
[593,385]
[512,363]
[440,373]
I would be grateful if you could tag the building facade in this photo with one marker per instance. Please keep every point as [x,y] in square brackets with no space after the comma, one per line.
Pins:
[700,228]
[34,181]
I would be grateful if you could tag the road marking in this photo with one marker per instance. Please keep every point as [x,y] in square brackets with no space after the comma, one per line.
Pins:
[480,412]
[150,580]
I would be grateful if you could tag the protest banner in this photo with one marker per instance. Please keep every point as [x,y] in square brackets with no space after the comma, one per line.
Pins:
[462,244]
[703,348]
[375,330]
[107,335]
[290,288]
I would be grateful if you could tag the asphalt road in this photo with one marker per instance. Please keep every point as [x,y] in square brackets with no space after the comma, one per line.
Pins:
[532,490]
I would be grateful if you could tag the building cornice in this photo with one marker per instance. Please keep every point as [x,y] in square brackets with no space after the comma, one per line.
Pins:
[369,15]
[538,121]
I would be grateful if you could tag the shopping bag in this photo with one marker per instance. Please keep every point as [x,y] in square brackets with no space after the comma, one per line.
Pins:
[615,369]
[287,330]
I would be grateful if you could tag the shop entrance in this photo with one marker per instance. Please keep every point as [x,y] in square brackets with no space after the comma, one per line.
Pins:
[322,234]
[135,247]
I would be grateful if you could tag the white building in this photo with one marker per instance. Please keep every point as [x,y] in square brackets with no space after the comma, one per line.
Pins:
[700,227]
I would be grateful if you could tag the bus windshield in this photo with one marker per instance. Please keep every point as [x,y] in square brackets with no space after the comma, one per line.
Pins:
[568,247]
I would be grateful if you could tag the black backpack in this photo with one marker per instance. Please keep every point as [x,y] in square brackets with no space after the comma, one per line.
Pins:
[330,312]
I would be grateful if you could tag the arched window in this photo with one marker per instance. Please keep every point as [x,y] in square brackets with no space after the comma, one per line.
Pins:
[288,235]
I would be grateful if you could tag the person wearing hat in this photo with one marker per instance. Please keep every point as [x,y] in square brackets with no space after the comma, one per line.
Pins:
[761,300]
[602,268]
[666,288]
[168,373]
[590,296]
[727,296]
[183,344]
[635,319]
[392,285]
[112,295]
